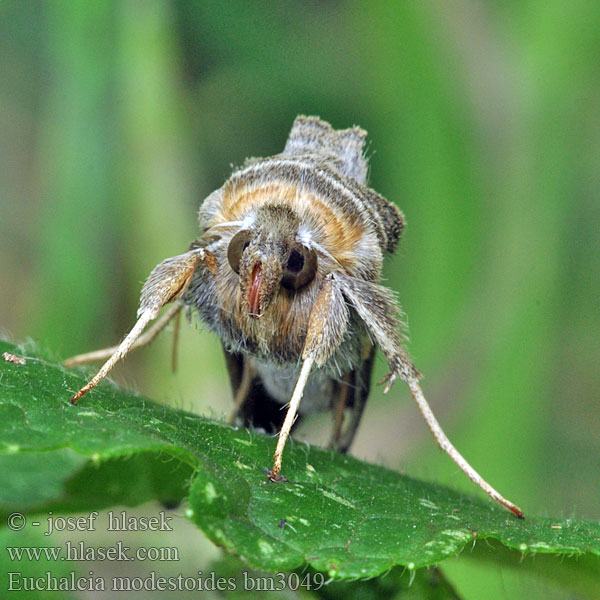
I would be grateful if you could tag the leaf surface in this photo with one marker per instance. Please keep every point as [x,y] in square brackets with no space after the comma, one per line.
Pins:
[342,516]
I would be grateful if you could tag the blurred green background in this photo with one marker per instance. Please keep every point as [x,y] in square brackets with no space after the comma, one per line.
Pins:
[118,118]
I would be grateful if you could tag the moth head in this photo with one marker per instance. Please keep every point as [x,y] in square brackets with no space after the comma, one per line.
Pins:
[267,256]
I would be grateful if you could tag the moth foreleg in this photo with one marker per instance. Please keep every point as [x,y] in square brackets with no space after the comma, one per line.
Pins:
[446,445]
[380,313]
[167,282]
[376,307]
[144,339]
[290,417]
[327,325]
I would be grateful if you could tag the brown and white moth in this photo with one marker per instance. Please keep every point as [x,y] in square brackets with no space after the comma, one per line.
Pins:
[286,273]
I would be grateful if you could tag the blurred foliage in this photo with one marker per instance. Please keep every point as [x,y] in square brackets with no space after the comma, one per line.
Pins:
[118,118]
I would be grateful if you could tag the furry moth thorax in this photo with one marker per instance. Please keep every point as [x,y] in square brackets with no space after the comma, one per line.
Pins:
[321,177]
[312,196]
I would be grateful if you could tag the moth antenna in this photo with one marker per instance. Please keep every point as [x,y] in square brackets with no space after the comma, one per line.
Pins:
[446,445]
[175,342]
[166,282]
[145,338]
[123,348]
[290,417]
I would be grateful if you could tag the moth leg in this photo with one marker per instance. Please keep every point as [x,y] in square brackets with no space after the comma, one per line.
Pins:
[290,417]
[258,410]
[376,307]
[166,283]
[446,445]
[144,339]
[327,325]
[175,342]
[243,391]
[381,315]
[345,388]
[362,386]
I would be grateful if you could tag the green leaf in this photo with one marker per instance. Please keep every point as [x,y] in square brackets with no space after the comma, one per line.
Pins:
[397,584]
[13,571]
[346,518]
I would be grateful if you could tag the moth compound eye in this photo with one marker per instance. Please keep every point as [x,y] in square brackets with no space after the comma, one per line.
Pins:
[300,269]
[239,242]
[295,262]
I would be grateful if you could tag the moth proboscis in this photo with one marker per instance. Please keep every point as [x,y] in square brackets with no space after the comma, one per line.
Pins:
[286,273]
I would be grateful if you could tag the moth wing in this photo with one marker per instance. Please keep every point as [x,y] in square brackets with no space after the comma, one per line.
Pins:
[256,408]
[253,404]
[353,393]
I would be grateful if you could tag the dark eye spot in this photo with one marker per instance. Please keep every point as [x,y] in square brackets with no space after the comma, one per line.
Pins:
[239,242]
[295,262]
[300,269]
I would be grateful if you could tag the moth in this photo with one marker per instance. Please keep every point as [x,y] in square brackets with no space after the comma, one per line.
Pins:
[286,273]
